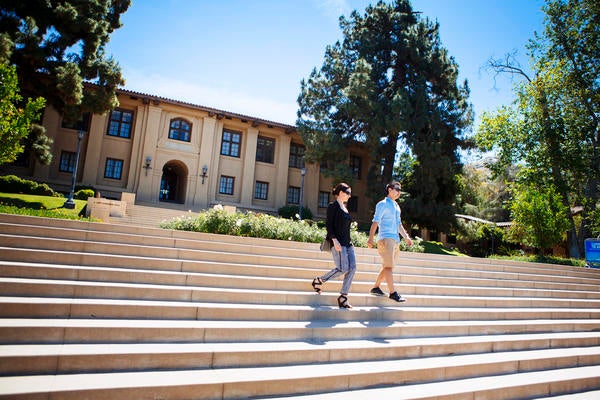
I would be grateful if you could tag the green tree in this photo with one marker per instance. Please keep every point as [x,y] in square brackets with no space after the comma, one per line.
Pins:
[552,129]
[539,217]
[390,82]
[58,47]
[15,122]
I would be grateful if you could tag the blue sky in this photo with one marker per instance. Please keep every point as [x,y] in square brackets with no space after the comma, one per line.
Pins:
[249,56]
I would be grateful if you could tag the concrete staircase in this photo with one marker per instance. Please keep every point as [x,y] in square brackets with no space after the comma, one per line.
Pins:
[150,215]
[107,311]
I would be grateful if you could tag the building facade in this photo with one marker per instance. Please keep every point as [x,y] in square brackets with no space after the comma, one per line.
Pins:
[169,152]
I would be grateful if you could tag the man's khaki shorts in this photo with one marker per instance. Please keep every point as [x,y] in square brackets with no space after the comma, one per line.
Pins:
[388,250]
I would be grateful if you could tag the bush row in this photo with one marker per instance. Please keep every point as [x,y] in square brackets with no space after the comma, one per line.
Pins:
[14,184]
[265,226]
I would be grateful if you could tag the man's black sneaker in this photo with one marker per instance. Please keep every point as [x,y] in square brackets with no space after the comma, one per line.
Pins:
[395,296]
[377,292]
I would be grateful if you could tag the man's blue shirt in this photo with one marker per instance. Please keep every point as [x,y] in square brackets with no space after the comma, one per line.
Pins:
[387,215]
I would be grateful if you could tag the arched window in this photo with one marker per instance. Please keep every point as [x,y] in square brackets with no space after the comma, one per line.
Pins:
[180,129]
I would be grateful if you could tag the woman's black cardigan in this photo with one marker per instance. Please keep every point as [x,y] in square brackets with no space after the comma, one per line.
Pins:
[338,224]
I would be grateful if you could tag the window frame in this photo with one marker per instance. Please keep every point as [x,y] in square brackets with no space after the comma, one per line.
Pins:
[356,166]
[120,123]
[291,194]
[231,144]
[296,159]
[264,153]
[224,184]
[71,162]
[187,133]
[116,161]
[326,195]
[259,188]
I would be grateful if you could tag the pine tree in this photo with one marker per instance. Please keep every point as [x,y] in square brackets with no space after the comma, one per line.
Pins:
[390,81]
[58,46]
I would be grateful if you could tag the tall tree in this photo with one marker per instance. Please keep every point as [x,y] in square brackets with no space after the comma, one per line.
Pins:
[57,46]
[552,128]
[390,81]
[15,121]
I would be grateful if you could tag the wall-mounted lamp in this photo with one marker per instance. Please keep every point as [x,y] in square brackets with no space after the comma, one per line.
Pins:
[147,163]
[204,171]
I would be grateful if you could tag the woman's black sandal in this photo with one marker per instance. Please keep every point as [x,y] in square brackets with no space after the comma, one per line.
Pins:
[343,301]
[316,284]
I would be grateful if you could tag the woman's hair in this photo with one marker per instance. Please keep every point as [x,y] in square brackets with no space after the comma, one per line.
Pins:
[340,187]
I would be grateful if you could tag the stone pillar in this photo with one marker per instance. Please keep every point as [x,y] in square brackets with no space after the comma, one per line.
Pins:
[208,155]
[149,184]
[94,148]
[247,185]
[283,169]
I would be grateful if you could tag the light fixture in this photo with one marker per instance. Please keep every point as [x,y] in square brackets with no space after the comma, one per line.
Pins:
[204,171]
[147,163]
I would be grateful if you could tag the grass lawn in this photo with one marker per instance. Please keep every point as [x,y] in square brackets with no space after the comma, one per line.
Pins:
[438,248]
[39,206]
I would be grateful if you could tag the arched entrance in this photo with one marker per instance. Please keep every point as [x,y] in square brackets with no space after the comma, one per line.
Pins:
[173,182]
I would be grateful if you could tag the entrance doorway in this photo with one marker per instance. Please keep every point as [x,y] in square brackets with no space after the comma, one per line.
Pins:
[172,182]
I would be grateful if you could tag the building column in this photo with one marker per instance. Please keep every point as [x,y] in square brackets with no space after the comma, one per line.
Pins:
[247,184]
[206,156]
[283,168]
[94,148]
[148,130]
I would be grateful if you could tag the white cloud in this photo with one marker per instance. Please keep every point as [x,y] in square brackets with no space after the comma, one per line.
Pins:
[225,99]
[333,8]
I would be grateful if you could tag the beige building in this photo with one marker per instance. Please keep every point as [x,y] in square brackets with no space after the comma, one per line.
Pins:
[169,153]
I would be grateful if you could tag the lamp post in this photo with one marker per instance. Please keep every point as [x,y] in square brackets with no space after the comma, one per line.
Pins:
[70,203]
[302,172]
[204,171]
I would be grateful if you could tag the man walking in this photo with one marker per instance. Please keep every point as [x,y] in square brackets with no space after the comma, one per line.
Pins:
[387,220]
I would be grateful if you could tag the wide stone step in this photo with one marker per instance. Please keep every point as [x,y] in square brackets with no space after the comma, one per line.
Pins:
[93,358]
[44,307]
[217,280]
[261,381]
[302,296]
[267,267]
[72,331]
[527,385]
[209,242]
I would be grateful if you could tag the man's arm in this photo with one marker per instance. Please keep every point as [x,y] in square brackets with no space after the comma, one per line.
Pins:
[372,231]
[405,235]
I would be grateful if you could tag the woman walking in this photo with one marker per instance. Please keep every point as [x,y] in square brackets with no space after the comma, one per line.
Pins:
[338,233]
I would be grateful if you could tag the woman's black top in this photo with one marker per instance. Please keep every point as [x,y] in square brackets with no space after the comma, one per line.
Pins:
[338,224]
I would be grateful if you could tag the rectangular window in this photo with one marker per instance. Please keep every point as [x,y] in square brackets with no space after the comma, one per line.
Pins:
[226,184]
[323,199]
[261,190]
[352,204]
[113,168]
[82,124]
[265,150]
[296,156]
[355,162]
[120,123]
[230,143]
[67,161]
[293,195]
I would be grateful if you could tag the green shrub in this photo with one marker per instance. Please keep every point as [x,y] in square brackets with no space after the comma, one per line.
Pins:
[265,226]
[14,184]
[83,194]
[292,212]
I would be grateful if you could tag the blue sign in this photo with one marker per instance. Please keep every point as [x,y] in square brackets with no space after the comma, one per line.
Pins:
[592,253]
